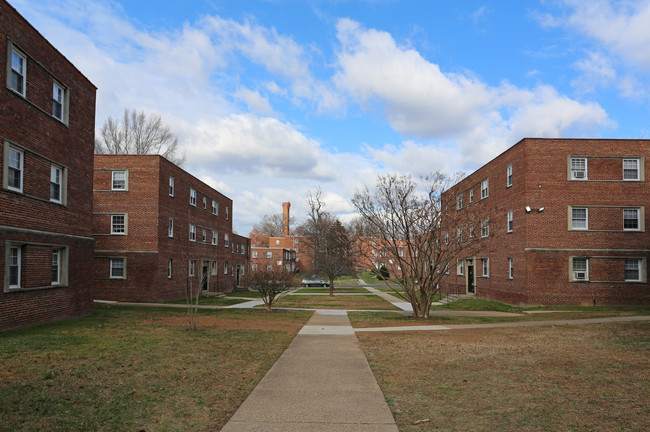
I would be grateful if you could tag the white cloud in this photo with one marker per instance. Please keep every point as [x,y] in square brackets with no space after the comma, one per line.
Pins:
[255,101]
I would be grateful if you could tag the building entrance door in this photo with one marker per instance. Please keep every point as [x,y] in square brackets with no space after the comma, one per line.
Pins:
[204,277]
[470,279]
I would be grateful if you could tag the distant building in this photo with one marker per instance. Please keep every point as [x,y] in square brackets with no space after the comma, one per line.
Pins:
[47,121]
[273,258]
[564,224]
[159,229]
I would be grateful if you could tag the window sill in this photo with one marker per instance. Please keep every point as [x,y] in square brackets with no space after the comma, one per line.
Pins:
[20,289]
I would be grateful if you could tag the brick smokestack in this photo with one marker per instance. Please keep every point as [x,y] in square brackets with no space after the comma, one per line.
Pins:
[285,219]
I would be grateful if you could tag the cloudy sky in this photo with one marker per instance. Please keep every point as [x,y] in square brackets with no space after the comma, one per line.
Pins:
[271,98]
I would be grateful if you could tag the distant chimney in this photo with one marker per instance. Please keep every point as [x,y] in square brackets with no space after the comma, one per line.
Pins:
[285,219]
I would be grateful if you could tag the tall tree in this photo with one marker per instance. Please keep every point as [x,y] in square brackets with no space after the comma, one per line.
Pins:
[412,226]
[271,284]
[327,240]
[269,226]
[138,133]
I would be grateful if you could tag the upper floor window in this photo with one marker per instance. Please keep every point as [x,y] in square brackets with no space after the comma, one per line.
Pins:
[631,219]
[15,169]
[633,269]
[509,176]
[471,195]
[171,186]
[192,232]
[226,240]
[578,168]
[205,203]
[55,184]
[254,254]
[485,228]
[579,218]
[193,196]
[484,189]
[510,221]
[171,228]
[459,201]
[204,238]
[58,101]
[227,213]
[215,207]
[169,268]
[269,254]
[214,238]
[511,270]
[118,180]
[18,72]
[630,169]
[118,224]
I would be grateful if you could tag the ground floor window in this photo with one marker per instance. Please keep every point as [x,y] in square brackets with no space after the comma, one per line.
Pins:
[511,271]
[15,258]
[580,268]
[486,266]
[117,268]
[169,268]
[632,269]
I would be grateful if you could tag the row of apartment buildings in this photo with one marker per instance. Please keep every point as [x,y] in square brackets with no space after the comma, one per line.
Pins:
[75,227]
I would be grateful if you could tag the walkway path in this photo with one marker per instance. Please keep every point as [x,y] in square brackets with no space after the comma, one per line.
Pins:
[322,382]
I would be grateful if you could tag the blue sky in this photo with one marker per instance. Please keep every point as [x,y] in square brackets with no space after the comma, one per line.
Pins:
[272,98]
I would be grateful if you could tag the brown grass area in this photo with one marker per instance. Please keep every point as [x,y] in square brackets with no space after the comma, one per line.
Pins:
[336,302]
[565,378]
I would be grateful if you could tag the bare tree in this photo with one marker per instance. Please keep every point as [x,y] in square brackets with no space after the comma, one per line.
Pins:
[416,244]
[138,133]
[327,240]
[271,284]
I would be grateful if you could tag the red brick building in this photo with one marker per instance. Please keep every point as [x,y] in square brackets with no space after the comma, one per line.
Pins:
[158,230]
[273,258]
[47,121]
[564,224]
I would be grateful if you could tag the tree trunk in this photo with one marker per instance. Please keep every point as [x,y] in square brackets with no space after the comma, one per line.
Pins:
[331,287]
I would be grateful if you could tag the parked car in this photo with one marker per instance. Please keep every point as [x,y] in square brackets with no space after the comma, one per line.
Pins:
[313,282]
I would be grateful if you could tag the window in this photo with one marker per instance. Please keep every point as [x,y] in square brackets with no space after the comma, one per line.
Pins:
[215,208]
[15,255]
[18,72]
[279,262]
[461,267]
[171,186]
[213,268]
[633,270]
[226,240]
[630,169]
[117,268]
[254,254]
[225,267]
[269,254]
[484,189]
[254,267]
[510,221]
[55,184]
[118,224]
[578,169]
[205,235]
[579,218]
[192,232]
[56,267]
[269,267]
[400,252]
[193,197]
[471,196]
[15,170]
[58,101]
[191,268]
[631,219]
[459,234]
[170,264]
[171,228]
[509,176]
[511,271]
[205,203]
[485,228]
[446,237]
[277,242]
[486,266]
[447,268]
[471,232]
[118,180]
[214,238]
[227,215]
[459,202]
[580,268]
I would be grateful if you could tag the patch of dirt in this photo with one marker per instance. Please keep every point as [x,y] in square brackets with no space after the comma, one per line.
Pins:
[231,324]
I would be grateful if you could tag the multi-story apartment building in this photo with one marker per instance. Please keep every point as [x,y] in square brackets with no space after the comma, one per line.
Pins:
[563,223]
[241,257]
[273,258]
[159,230]
[47,120]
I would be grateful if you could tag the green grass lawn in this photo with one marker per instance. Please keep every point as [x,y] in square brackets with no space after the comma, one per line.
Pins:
[138,369]
[244,293]
[336,302]
[336,290]
[212,301]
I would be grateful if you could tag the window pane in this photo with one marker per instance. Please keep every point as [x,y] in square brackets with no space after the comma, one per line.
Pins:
[630,169]
[632,267]
[117,267]
[579,218]
[580,264]
[119,180]
[630,219]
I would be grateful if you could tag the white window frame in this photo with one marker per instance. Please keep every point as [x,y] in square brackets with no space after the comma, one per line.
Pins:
[215,208]
[227,213]
[20,168]
[192,266]
[56,264]
[56,180]
[485,228]
[471,196]
[637,169]
[269,255]
[459,201]
[580,274]
[193,197]
[511,269]
[509,176]
[112,275]
[18,265]
[205,235]
[115,224]
[226,240]
[637,218]
[192,232]
[213,268]
[225,267]
[171,186]
[254,254]
[574,227]
[214,238]
[269,267]
[126,180]
[254,267]
[205,203]
[21,73]
[574,168]
[59,98]
[511,224]
[639,266]
[170,229]
[460,267]
[170,265]
[485,188]
[485,264]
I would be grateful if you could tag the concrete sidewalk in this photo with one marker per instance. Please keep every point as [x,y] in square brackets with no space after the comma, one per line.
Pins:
[322,382]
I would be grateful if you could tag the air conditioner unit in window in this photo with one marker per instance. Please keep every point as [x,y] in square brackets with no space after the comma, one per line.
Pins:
[578,174]
[580,275]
